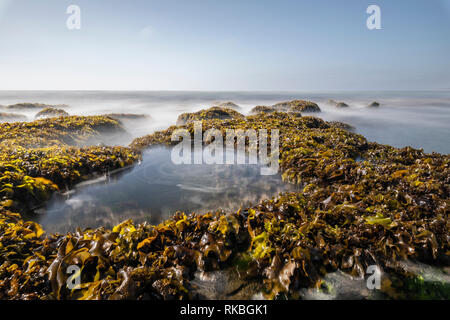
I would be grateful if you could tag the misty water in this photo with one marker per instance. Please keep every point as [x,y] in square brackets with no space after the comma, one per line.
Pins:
[420,119]
[155,189]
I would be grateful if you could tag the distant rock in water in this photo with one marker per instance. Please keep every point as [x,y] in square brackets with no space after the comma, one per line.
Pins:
[337,104]
[6,116]
[227,104]
[127,116]
[208,114]
[295,106]
[374,104]
[262,109]
[341,105]
[29,105]
[332,102]
[50,113]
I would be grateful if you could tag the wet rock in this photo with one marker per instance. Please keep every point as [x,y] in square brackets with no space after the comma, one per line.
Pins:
[337,104]
[374,104]
[223,285]
[341,105]
[209,114]
[342,125]
[50,113]
[262,109]
[227,104]
[340,286]
[295,106]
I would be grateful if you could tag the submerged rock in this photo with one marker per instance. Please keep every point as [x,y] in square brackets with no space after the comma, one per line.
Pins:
[209,114]
[51,112]
[297,106]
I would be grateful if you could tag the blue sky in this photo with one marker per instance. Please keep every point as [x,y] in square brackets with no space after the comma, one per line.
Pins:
[224,45]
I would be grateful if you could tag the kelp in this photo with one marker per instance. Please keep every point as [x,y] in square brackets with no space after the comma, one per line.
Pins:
[366,203]
[208,114]
[361,204]
[50,112]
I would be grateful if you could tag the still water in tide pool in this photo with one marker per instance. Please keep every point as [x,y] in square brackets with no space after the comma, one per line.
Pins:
[155,189]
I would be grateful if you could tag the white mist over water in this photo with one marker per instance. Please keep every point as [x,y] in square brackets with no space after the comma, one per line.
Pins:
[417,119]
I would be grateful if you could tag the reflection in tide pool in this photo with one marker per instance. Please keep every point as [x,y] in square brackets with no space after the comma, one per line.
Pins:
[156,189]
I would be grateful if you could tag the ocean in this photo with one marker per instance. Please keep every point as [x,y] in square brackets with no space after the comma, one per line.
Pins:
[420,119]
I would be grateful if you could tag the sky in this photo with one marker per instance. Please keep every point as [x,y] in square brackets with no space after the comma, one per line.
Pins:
[212,45]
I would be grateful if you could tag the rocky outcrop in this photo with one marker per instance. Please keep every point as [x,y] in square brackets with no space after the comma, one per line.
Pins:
[209,114]
[297,106]
[262,109]
[337,104]
[227,104]
[50,113]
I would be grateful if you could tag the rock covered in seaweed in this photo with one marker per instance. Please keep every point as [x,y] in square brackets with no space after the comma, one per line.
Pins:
[227,105]
[70,130]
[262,109]
[208,114]
[297,106]
[39,158]
[342,125]
[50,112]
[340,105]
